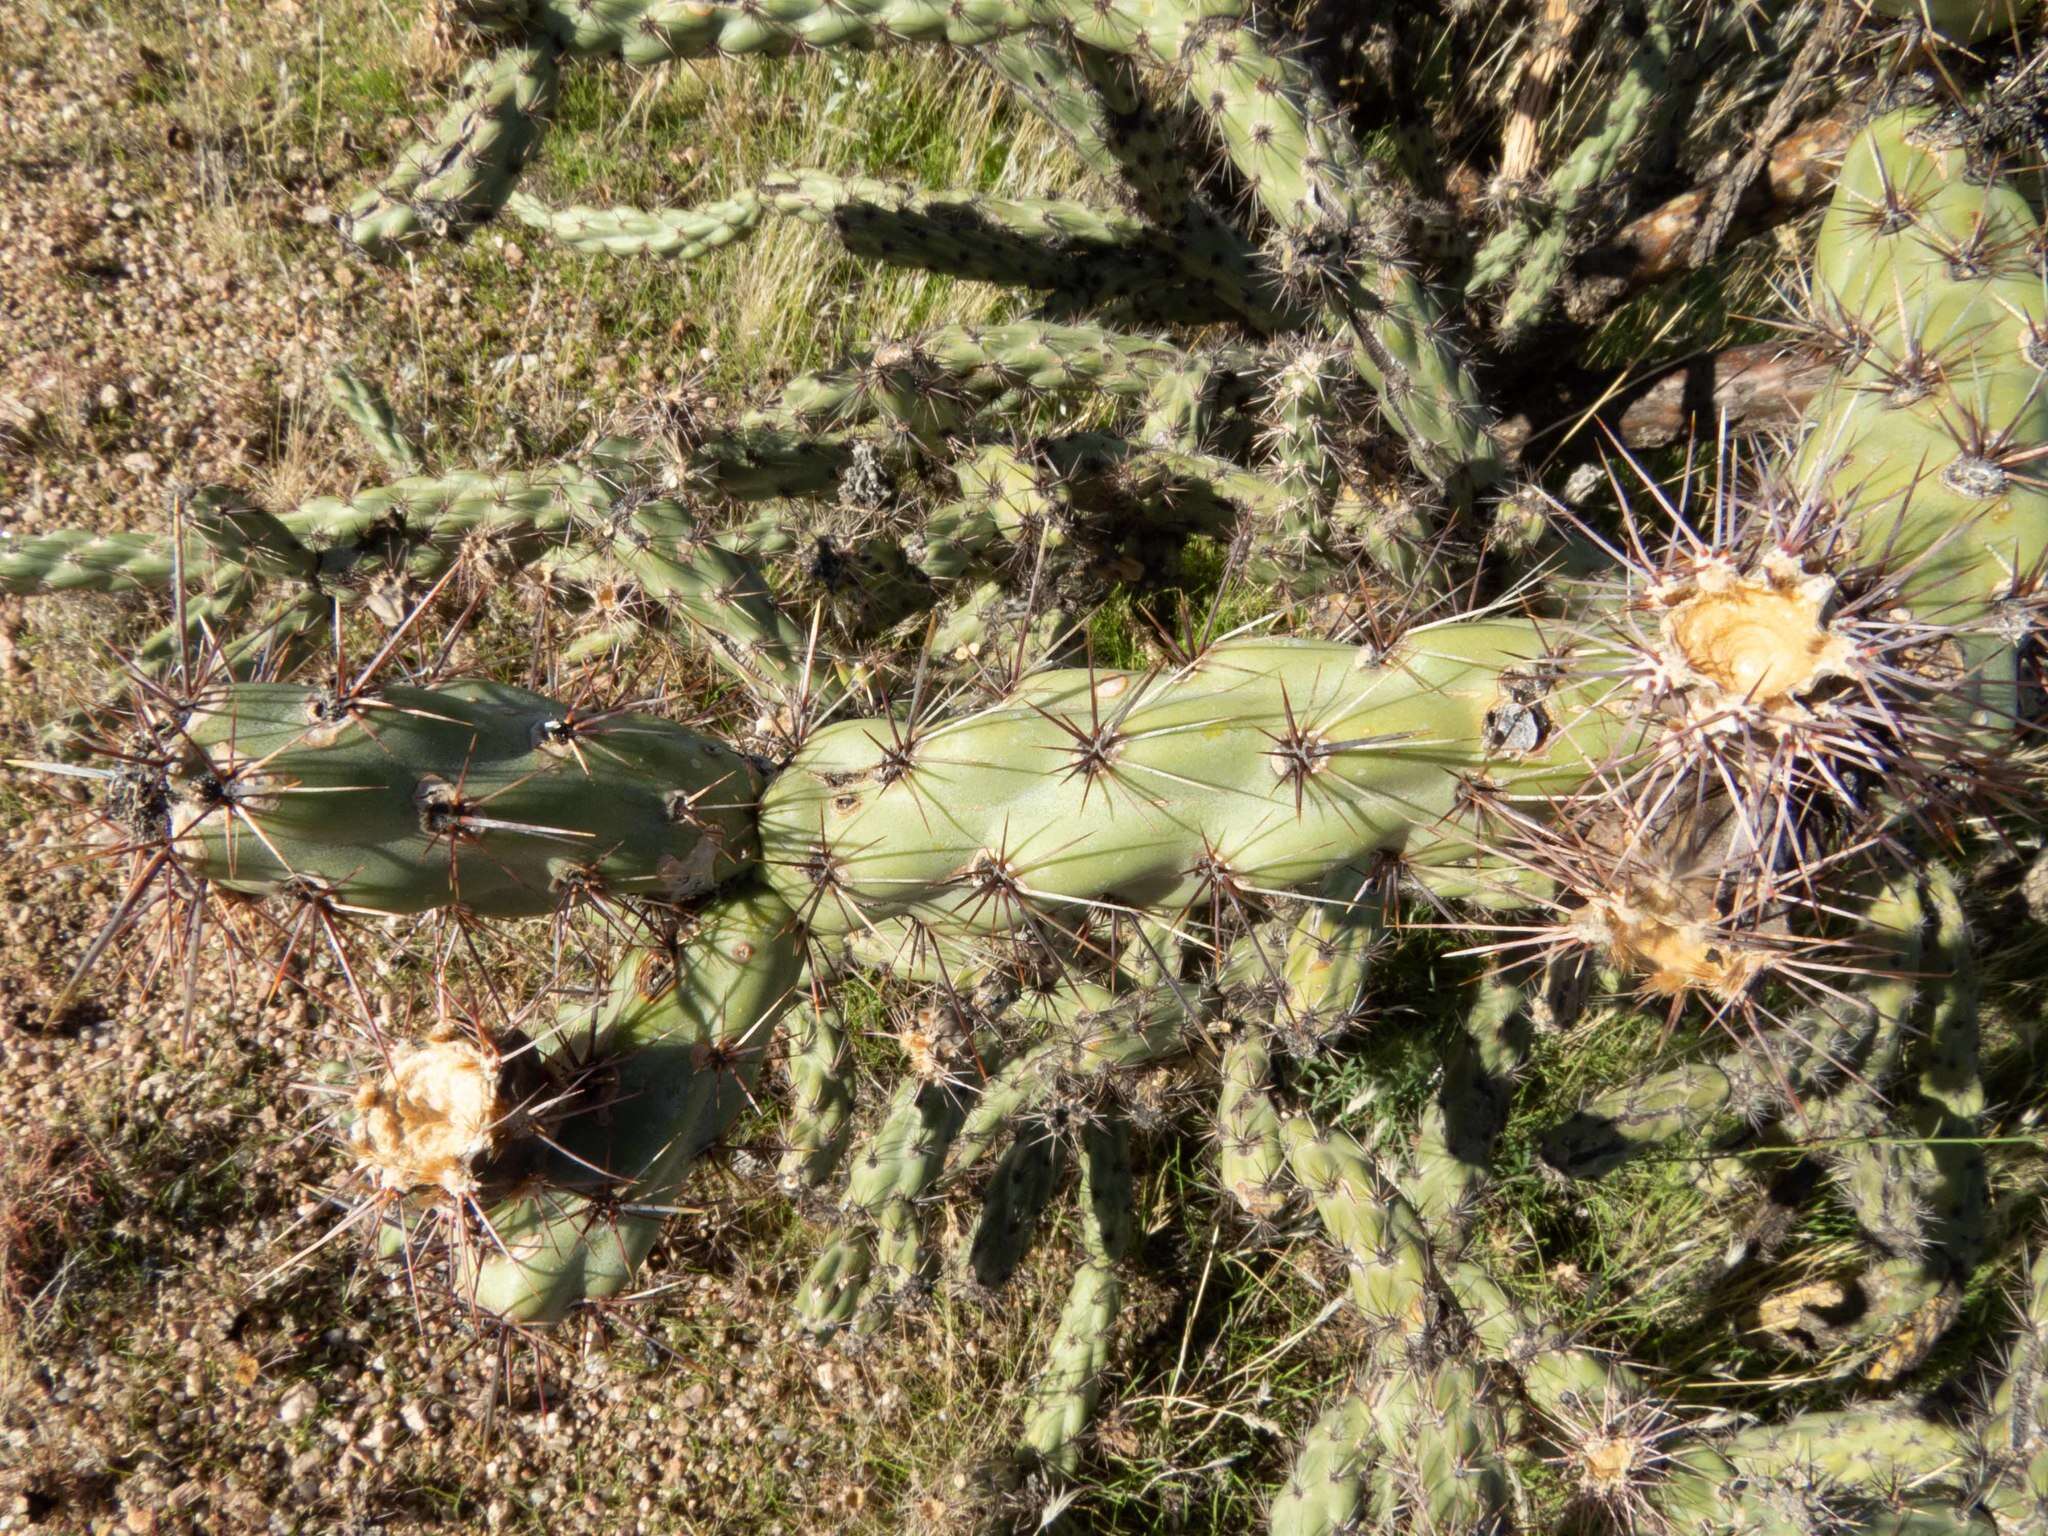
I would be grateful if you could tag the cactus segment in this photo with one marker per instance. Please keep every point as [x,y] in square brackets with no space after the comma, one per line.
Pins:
[933,385]
[1443,1469]
[1571,1385]
[420,524]
[1267,763]
[1536,256]
[1923,1200]
[1066,1389]
[1922,278]
[1190,407]
[275,643]
[819,1121]
[459,177]
[1092,495]
[674,1049]
[1251,1157]
[1294,148]
[879,1252]
[369,412]
[477,794]
[719,590]
[1092,1033]
[1390,1259]
[1068,1385]
[1875,1450]
[2013,1439]
[243,535]
[71,560]
[1097,101]
[837,1282]
[1019,1189]
[680,234]
[995,627]
[1455,1148]
[1612,1127]
[1324,1494]
[1328,953]
[1099,104]
[1304,406]
[1080,257]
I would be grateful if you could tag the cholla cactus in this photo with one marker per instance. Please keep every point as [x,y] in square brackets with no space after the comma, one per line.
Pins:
[1118,902]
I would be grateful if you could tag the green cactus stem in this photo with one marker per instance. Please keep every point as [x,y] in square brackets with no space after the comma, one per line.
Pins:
[1251,1157]
[1019,1189]
[1390,1256]
[460,176]
[819,1121]
[1324,1494]
[369,411]
[1091,1034]
[1276,762]
[878,1253]
[1454,1151]
[678,234]
[477,794]
[1077,256]
[1921,277]
[1533,256]
[1064,1394]
[672,1052]
[1442,1467]
[2013,1438]
[1100,105]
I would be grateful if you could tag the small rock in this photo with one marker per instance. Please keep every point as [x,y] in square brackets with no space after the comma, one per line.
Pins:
[298,1403]
[381,1437]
